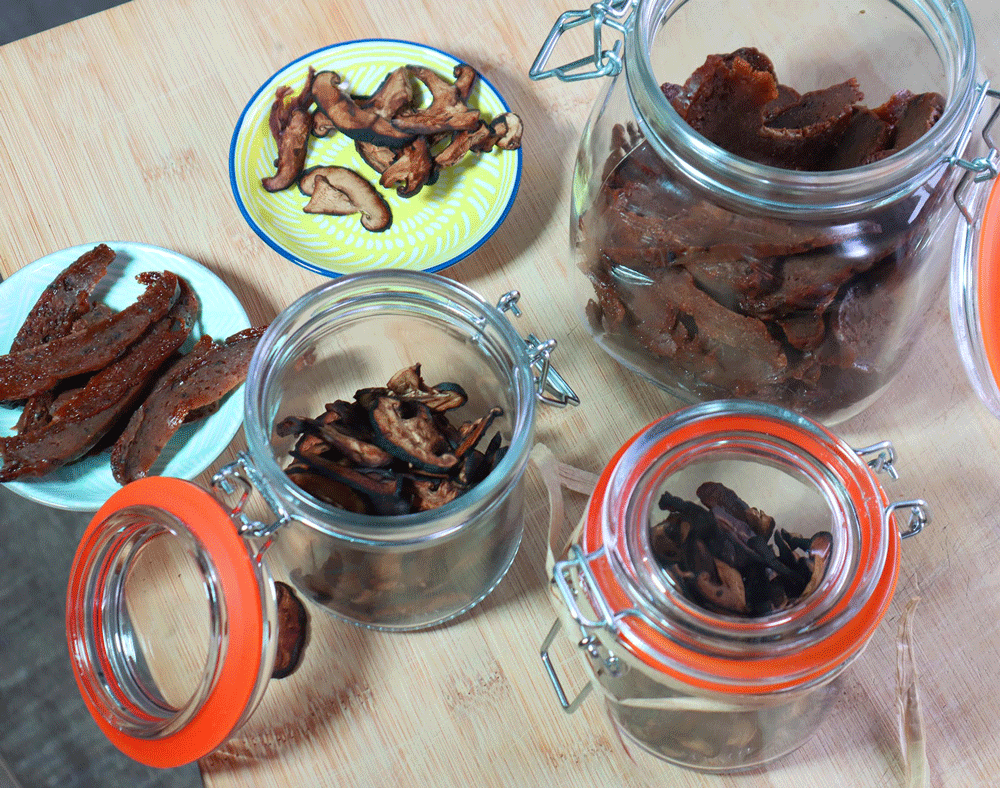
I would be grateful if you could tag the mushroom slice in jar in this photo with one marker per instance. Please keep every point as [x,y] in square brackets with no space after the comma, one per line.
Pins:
[409,383]
[407,430]
[293,631]
[381,488]
[355,449]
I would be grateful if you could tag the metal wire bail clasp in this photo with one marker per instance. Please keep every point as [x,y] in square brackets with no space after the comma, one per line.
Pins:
[242,478]
[602,658]
[551,387]
[981,168]
[604,62]
[882,460]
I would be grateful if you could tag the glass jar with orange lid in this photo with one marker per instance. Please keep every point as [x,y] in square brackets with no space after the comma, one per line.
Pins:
[691,682]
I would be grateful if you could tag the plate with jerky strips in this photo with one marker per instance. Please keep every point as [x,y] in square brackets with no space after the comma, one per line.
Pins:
[117,361]
[376,154]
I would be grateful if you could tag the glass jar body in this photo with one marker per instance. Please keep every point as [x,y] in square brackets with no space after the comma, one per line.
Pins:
[397,571]
[716,277]
[698,685]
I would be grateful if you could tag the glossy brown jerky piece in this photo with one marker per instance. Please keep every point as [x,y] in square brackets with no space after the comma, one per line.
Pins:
[206,374]
[39,368]
[65,300]
[81,418]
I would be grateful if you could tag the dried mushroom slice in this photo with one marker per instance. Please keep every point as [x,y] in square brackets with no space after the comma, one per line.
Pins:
[446,112]
[291,124]
[409,383]
[358,123]
[339,191]
[293,631]
[406,429]
[721,555]
[393,450]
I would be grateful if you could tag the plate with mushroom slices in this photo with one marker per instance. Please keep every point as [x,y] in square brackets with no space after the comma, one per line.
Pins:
[84,484]
[376,154]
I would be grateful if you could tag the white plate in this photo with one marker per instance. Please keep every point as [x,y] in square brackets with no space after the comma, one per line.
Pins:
[86,484]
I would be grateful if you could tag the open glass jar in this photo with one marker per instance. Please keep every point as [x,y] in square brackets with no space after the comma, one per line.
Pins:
[706,688]
[715,276]
[172,619]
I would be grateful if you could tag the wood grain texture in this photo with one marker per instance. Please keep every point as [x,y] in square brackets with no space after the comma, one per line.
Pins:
[118,127]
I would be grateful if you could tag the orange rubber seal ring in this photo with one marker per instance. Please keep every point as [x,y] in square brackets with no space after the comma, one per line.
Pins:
[240,666]
[766,674]
[988,285]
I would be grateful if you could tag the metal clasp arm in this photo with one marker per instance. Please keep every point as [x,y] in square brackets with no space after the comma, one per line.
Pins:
[605,62]
[981,168]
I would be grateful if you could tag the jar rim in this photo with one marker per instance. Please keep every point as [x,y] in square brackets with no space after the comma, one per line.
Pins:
[241,601]
[781,192]
[665,644]
[392,531]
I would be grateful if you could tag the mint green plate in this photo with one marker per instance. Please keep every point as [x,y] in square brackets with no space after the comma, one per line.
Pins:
[435,228]
[85,485]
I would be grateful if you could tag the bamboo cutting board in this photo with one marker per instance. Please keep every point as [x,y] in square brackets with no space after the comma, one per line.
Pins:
[118,127]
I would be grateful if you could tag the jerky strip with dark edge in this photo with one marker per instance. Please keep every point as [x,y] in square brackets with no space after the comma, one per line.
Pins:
[65,300]
[39,368]
[206,374]
[85,416]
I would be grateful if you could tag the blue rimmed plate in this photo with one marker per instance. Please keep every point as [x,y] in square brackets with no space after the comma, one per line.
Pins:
[86,484]
[433,229]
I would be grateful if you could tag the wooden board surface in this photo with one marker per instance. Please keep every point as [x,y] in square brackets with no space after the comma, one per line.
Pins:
[117,127]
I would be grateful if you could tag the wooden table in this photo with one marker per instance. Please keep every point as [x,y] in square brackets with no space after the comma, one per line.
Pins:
[117,127]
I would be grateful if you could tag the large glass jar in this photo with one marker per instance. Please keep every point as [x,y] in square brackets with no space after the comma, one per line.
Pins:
[715,276]
[706,688]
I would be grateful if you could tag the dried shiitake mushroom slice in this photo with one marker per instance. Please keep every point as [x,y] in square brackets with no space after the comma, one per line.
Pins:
[446,112]
[356,122]
[293,631]
[340,191]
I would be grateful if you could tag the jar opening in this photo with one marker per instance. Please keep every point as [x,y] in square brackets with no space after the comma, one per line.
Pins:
[919,45]
[791,459]
[155,628]
[164,664]
[357,332]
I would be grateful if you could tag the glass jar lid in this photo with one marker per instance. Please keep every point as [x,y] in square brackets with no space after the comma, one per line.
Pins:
[168,621]
[779,459]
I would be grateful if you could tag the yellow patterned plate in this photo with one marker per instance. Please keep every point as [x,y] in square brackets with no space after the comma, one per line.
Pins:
[435,228]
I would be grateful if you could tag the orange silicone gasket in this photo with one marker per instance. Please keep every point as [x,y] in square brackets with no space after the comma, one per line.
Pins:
[240,666]
[763,675]
[988,281]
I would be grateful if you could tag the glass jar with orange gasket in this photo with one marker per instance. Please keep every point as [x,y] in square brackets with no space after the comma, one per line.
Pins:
[693,684]
[175,622]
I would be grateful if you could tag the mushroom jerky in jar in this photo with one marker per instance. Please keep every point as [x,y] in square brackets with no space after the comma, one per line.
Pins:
[389,416]
[765,209]
[734,559]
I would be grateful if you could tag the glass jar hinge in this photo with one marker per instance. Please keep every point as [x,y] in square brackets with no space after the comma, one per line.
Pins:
[981,168]
[920,515]
[604,62]
[241,477]
[883,459]
[551,387]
